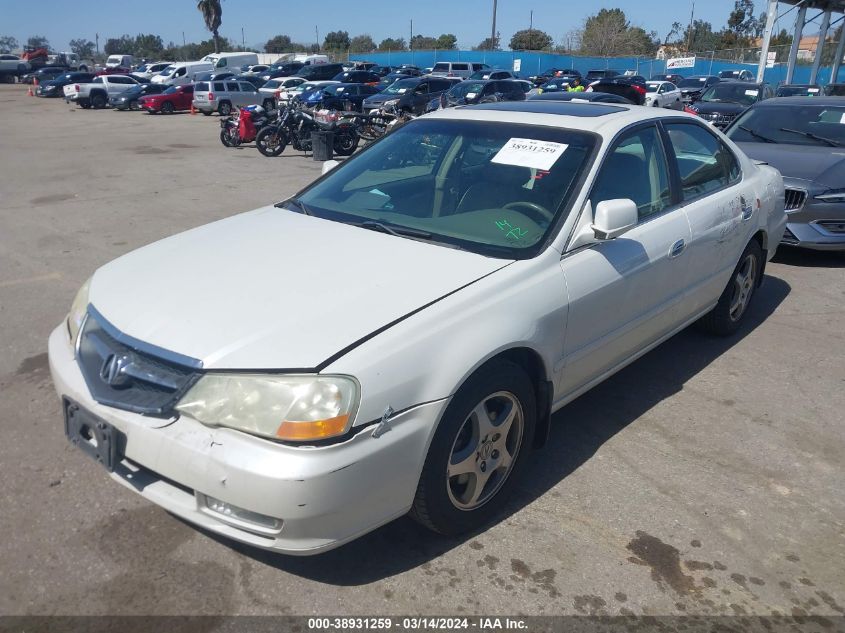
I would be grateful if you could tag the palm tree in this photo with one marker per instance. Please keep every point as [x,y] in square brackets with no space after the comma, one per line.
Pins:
[212,13]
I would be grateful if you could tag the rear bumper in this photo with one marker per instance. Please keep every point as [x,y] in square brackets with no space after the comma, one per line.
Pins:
[204,106]
[321,496]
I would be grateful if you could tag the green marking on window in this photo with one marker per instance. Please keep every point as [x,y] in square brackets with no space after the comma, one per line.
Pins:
[513,233]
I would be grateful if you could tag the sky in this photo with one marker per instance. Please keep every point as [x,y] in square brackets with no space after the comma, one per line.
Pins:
[470,20]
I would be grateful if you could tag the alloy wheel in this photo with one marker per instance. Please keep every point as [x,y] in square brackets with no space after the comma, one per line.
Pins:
[744,282]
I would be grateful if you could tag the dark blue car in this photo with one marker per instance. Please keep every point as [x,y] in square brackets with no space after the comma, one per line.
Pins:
[339,96]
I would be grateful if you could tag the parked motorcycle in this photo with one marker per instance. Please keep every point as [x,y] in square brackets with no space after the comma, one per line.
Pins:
[245,125]
[294,128]
[379,122]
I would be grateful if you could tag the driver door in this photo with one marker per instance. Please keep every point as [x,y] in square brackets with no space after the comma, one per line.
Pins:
[624,293]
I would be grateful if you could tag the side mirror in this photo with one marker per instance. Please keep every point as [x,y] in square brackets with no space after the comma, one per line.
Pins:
[614,217]
[329,165]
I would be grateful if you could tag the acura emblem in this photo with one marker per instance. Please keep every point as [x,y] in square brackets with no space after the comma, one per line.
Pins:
[113,371]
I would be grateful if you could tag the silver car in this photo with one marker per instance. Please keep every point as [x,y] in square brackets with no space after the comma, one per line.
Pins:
[223,96]
[802,138]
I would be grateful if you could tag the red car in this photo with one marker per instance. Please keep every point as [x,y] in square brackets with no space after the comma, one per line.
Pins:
[172,99]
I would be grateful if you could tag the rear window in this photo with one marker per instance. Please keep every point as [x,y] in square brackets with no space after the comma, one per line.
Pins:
[460,66]
[201,86]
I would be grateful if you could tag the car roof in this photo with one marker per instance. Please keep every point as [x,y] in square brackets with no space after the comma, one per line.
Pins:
[605,118]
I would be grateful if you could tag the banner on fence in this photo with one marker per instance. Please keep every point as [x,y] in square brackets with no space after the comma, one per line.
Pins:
[680,62]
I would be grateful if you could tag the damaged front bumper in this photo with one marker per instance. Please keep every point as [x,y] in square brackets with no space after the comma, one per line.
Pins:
[296,500]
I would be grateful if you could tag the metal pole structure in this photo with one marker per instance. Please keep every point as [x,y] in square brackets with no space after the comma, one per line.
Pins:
[531,31]
[243,39]
[493,32]
[771,16]
[817,60]
[317,36]
[796,42]
[837,60]
[712,55]
[691,16]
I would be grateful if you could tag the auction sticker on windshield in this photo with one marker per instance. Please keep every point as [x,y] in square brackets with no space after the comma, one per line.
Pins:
[526,152]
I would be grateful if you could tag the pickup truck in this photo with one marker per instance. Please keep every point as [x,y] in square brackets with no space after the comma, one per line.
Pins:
[12,66]
[97,92]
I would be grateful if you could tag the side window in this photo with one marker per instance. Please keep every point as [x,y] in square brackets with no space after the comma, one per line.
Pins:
[704,162]
[181,72]
[422,88]
[635,168]
[218,86]
[222,63]
[231,86]
[247,87]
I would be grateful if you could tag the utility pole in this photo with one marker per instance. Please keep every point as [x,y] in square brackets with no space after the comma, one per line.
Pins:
[493,33]
[411,41]
[97,39]
[243,39]
[184,46]
[317,35]
[691,20]
[531,31]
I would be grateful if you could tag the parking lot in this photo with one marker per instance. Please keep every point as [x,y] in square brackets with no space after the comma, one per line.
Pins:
[706,478]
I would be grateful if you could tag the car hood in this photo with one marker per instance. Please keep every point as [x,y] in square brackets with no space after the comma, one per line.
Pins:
[822,164]
[274,289]
[381,98]
[710,107]
[692,89]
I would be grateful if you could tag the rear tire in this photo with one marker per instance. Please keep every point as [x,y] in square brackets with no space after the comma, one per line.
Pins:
[478,450]
[98,101]
[345,143]
[727,316]
[268,105]
[167,107]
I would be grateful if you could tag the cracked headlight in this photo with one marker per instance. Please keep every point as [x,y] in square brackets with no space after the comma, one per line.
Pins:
[78,309]
[283,407]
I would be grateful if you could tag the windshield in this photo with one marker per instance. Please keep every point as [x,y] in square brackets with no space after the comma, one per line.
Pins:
[171,90]
[772,122]
[168,71]
[114,59]
[729,74]
[401,87]
[803,91]
[334,91]
[441,67]
[492,188]
[466,89]
[693,82]
[481,74]
[731,93]
[652,87]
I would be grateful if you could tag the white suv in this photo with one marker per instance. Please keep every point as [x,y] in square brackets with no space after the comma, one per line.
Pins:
[223,95]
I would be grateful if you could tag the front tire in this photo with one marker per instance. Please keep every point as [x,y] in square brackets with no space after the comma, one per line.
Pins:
[346,143]
[477,451]
[134,105]
[167,107]
[729,312]
[270,141]
[229,137]
[224,109]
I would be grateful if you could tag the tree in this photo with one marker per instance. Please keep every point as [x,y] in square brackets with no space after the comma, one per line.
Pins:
[488,44]
[82,47]
[530,40]
[8,43]
[446,41]
[393,44]
[38,41]
[123,45]
[423,43]
[278,44]
[362,44]
[212,15]
[336,41]
[700,37]
[148,46]
[674,32]
[609,33]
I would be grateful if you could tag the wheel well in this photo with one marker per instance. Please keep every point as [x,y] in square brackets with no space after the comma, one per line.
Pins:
[532,364]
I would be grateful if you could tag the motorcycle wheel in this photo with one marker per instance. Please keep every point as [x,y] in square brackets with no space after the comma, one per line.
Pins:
[345,143]
[270,141]
[229,137]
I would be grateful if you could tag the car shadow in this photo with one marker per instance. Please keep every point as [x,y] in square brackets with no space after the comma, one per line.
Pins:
[807,258]
[578,431]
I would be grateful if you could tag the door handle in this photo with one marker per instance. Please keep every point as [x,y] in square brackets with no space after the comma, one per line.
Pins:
[677,248]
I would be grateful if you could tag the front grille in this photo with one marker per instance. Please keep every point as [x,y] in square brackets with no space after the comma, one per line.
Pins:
[719,118]
[119,374]
[794,199]
[832,226]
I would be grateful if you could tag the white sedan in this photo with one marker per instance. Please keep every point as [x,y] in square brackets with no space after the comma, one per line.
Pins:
[663,94]
[395,337]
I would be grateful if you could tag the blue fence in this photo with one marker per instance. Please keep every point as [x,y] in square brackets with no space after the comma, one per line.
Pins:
[533,63]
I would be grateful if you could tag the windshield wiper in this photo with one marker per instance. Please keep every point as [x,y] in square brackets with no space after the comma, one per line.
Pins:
[756,134]
[295,202]
[392,229]
[815,137]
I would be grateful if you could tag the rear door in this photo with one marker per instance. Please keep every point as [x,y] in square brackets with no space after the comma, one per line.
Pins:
[233,93]
[718,204]
[624,293]
[249,95]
